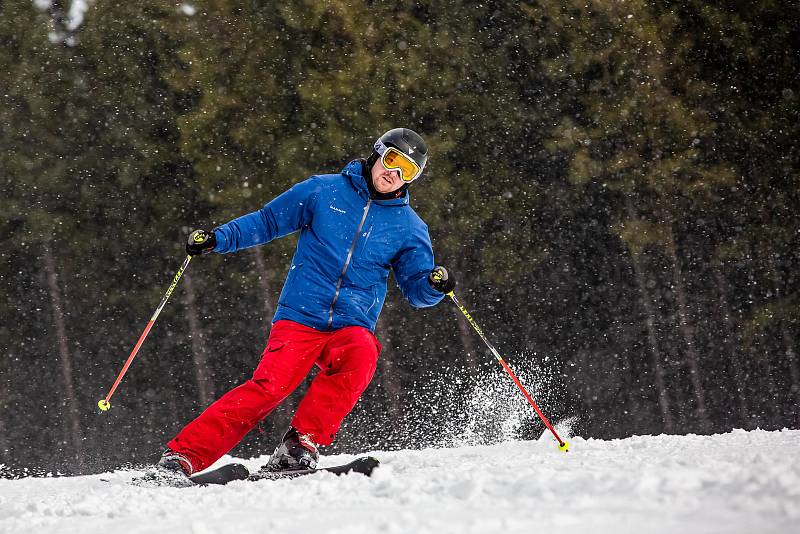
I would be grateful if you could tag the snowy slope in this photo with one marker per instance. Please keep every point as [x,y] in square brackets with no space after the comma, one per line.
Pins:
[736,482]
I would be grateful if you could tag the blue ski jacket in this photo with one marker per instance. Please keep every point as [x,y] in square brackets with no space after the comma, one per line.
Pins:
[348,242]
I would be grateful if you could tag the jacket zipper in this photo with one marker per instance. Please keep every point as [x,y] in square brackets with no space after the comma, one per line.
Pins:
[347,261]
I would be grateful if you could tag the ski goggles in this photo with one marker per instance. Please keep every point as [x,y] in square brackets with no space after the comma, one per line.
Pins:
[394,160]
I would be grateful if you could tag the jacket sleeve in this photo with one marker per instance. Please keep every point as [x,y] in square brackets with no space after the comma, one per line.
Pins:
[287,213]
[412,266]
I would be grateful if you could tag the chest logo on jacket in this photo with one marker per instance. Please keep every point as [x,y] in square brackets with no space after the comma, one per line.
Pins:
[334,208]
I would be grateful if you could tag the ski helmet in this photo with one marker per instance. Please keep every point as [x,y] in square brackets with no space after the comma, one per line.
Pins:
[408,142]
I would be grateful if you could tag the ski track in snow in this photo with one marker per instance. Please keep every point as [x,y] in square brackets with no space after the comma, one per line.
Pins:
[735,482]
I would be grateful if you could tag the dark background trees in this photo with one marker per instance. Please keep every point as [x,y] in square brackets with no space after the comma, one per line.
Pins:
[615,185]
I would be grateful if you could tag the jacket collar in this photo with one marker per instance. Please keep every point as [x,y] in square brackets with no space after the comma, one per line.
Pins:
[353,171]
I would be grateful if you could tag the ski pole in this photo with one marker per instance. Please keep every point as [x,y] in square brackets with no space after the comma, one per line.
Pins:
[104,403]
[562,445]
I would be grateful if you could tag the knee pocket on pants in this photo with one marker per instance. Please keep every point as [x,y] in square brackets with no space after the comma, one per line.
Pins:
[274,346]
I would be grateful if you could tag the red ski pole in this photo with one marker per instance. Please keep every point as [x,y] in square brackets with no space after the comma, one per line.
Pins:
[104,403]
[562,445]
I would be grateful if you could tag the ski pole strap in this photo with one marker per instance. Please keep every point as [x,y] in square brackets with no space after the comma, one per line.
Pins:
[104,403]
[562,445]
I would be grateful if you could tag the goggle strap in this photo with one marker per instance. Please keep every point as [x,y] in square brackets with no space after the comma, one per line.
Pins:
[379,147]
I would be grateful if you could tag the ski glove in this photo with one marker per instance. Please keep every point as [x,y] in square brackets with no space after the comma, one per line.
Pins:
[441,281]
[200,242]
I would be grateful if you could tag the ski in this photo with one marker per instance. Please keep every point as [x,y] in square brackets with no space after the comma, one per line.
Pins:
[230,472]
[222,475]
[364,465]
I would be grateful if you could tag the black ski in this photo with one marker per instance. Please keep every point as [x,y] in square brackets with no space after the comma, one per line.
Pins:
[364,465]
[230,472]
[222,475]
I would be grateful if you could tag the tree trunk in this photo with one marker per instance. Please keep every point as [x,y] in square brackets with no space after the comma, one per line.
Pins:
[72,425]
[791,357]
[4,445]
[687,330]
[652,338]
[205,386]
[731,349]
[757,354]
[788,347]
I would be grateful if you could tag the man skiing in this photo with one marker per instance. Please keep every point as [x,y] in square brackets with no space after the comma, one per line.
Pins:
[354,227]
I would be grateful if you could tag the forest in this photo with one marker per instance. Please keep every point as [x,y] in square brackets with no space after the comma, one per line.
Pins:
[614,184]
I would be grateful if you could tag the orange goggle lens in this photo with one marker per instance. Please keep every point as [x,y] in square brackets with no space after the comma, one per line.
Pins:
[394,160]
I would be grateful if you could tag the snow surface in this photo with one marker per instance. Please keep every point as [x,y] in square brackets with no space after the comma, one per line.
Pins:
[735,482]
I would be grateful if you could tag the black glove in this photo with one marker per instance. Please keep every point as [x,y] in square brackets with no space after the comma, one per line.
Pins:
[441,281]
[200,242]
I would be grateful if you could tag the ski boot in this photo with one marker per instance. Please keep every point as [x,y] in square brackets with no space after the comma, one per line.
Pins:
[173,469]
[296,452]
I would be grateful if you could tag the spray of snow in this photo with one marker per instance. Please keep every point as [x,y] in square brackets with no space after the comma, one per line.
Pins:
[564,429]
[188,9]
[72,21]
[456,408]
[495,410]
[77,11]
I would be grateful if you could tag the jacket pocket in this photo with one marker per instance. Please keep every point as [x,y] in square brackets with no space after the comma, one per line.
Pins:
[363,239]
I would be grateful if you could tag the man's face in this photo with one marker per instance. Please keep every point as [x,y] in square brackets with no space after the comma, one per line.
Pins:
[385,181]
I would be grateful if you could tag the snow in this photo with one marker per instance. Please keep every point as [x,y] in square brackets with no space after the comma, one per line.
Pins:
[77,11]
[735,482]
[75,14]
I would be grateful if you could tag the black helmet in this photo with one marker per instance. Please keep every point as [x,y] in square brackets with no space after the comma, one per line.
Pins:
[406,141]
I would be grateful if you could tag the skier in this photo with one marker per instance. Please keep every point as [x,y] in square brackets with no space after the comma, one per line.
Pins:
[354,227]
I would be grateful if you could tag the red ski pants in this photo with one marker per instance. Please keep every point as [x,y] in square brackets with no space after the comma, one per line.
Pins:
[346,357]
